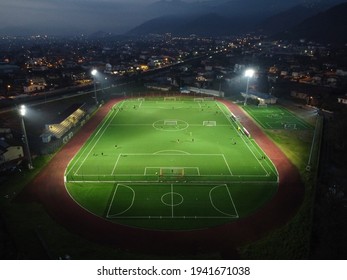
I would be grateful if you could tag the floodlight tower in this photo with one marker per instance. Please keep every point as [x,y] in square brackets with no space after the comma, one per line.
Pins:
[22,113]
[220,77]
[249,73]
[94,73]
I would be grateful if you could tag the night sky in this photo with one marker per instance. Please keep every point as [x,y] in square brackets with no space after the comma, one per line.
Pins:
[57,17]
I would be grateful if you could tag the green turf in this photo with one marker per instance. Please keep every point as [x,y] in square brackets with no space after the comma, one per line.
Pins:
[276,117]
[170,164]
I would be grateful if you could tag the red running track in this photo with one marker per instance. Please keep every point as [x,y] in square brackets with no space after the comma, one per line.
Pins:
[48,189]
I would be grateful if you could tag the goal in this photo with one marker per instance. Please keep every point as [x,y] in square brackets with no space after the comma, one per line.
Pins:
[171,171]
[289,126]
[170,98]
[140,99]
[209,123]
[198,99]
[170,122]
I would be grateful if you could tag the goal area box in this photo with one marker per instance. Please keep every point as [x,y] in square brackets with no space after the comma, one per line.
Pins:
[174,171]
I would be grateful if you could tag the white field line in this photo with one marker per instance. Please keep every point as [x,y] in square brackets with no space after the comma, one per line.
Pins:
[214,206]
[97,140]
[226,163]
[189,183]
[110,205]
[116,163]
[241,136]
[120,213]
[272,168]
[170,154]
[170,167]
[86,148]
[172,206]
[145,154]
[232,201]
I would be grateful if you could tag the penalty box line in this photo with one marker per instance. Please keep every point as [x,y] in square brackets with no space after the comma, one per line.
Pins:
[223,159]
[172,168]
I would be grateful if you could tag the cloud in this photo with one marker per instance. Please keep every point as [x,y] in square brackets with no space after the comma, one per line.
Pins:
[82,15]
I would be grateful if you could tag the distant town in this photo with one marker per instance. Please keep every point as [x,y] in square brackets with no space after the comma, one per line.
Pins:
[41,65]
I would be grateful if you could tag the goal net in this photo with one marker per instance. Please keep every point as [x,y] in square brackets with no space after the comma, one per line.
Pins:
[171,171]
[198,99]
[209,123]
[289,126]
[170,98]
[140,99]
[170,122]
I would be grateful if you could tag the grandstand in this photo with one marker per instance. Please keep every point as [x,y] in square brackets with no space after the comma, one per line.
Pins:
[263,98]
[68,119]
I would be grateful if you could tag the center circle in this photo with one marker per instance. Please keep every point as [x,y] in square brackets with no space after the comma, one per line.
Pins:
[172,199]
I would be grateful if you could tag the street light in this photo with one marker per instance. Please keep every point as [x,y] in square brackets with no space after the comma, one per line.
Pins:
[94,73]
[220,77]
[22,112]
[249,73]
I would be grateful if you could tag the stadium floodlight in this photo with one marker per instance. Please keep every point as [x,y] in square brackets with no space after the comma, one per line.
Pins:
[220,77]
[22,113]
[249,73]
[94,73]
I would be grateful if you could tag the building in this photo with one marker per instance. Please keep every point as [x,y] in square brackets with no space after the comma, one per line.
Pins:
[204,91]
[9,155]
[342,99]
[262,98]
[67,120]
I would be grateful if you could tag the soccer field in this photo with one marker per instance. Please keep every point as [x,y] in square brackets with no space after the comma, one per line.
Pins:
[276,117]
[170,163]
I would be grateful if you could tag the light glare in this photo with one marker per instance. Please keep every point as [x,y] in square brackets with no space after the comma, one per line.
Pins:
[22,110]
[249,73]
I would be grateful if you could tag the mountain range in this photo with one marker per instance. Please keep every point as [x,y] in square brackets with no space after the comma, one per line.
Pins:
[284,19]
[322,21]
[326,27]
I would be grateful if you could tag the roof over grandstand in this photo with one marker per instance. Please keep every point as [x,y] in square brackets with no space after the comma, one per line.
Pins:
[267,98]
[63,115]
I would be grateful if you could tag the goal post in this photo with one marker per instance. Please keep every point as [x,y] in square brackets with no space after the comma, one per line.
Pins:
[170,122]
[170,98]
[289,126]
[171,171]
[141,99]
[209,123]
[198,99]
